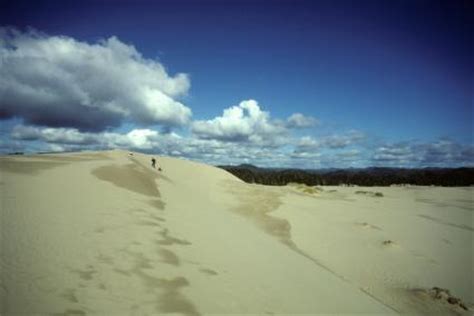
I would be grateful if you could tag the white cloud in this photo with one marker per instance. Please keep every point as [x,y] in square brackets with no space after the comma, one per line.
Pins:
[438,153]
[54,135]
[305,155]
[142,139]
[138,138]
[54,148]
[348,154]
[308,142]
[248,123]
[337,141]
[245,122]
[400,152]
[334,141]
[298,120]
[58,81]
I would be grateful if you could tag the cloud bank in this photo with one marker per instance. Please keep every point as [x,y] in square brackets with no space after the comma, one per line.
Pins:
[438,153]
[57,81]
[334,141]
[302,152]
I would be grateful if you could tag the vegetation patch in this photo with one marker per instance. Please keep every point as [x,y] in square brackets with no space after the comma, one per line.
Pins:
[305,188]
[445,295]
[370,193]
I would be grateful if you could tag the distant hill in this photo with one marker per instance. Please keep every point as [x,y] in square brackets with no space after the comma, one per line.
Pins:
[373,176]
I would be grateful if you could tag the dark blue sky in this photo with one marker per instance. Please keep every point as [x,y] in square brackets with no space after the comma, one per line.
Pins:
[396,70]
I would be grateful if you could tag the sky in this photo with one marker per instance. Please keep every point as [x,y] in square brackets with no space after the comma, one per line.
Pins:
[300,84]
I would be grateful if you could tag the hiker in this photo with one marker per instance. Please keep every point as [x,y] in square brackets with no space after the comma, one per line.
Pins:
[153,163]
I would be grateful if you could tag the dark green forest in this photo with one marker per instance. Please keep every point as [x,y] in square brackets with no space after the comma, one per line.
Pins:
[362,177]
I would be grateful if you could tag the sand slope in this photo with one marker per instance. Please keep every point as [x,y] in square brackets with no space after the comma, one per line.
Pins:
[104,233]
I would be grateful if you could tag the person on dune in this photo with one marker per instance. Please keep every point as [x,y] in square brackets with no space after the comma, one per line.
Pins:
[153,164]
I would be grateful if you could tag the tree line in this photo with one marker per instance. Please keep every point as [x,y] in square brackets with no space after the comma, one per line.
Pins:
[362,177]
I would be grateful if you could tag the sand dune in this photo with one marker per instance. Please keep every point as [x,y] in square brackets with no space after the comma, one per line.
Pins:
[105,233]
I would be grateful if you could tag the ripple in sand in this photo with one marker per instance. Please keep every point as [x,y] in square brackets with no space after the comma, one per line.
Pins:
[70,312]
[446,223]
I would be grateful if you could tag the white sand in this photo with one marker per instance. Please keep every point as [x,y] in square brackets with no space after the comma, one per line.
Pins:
[104,233]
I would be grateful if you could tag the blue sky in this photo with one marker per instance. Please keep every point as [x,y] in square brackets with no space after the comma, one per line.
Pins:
[378,82]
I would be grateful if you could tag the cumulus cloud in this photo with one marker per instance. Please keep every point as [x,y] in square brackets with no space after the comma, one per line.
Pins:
[245,122]
[58,81]
[298,120]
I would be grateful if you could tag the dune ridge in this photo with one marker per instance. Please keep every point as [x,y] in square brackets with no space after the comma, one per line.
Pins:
[104,232]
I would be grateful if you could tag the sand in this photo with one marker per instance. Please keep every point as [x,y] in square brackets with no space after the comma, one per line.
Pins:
[104,233]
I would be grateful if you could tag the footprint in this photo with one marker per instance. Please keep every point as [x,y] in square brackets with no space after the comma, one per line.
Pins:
[208,271]
[99,230]
[390,243]
[447,241]
[169,257]
[148,223]
[86,274]
[367,225]
[70,295]
[168,240]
